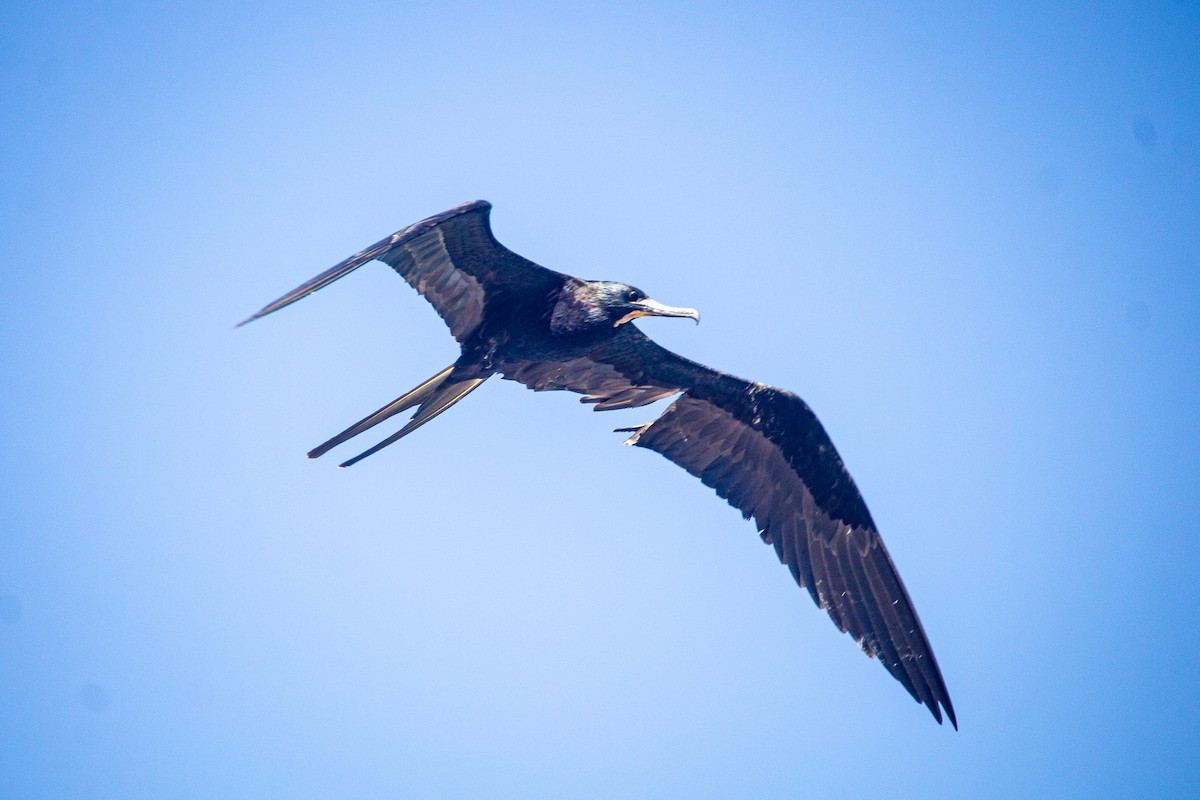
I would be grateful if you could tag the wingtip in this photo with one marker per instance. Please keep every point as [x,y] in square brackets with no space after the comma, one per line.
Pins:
[938,708]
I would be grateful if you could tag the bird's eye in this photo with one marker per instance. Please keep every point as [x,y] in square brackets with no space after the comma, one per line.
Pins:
[632,295]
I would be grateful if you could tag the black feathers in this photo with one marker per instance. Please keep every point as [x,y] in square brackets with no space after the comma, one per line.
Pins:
[760,448]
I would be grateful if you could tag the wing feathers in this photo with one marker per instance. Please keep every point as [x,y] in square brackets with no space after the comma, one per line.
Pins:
[842,563]
[428,267]
[764,452]
[398,239]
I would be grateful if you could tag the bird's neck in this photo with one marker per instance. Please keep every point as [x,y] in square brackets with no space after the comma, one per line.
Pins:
[577,309]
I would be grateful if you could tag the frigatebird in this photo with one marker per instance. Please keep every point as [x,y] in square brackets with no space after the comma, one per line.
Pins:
[761,448]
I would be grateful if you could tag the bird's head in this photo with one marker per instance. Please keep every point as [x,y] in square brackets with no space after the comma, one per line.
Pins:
[589,307]
[621,303]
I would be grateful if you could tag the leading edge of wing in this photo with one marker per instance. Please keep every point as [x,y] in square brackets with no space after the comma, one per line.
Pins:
[373,252]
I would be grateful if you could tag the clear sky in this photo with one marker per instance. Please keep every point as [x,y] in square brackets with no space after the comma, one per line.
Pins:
[968,237]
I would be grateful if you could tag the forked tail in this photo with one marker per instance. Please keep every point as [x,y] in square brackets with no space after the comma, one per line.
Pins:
[433,396]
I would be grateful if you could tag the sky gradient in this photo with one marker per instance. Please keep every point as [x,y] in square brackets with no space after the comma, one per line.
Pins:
[968,238]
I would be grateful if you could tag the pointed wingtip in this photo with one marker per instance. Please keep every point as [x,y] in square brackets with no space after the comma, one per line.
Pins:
[938,708]
[248,320]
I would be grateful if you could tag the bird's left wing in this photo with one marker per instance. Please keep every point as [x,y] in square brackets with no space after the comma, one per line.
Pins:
[764,451]
[451,258]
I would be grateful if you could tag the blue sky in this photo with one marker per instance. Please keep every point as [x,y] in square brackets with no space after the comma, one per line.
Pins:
[969,238]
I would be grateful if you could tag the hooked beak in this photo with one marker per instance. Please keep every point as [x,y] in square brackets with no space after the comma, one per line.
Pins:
[651,308]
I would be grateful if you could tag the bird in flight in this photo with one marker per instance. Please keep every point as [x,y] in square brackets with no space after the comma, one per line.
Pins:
[760,448]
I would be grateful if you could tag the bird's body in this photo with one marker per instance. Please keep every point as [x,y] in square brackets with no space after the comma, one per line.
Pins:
[760,448]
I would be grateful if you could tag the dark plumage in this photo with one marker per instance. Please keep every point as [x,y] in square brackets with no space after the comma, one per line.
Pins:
[761,448]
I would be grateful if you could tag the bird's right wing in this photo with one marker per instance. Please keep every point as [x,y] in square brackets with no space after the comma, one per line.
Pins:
[451,258]
[764,451]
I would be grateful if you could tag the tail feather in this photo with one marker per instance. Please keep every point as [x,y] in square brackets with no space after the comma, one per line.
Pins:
[446,396]
[406,401]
